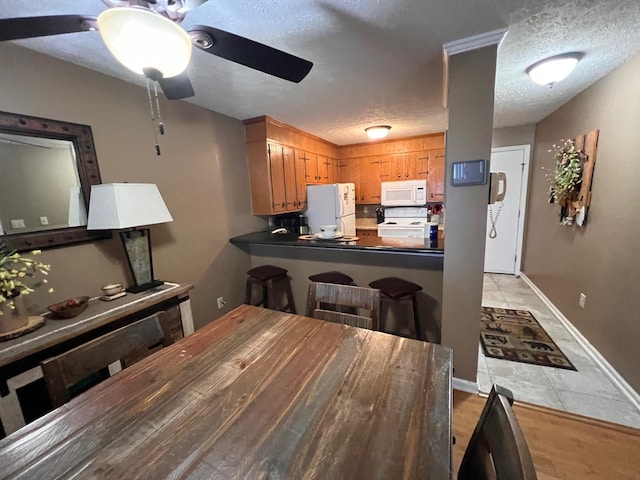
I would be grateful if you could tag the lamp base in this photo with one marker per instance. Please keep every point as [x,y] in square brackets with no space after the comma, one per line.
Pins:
[144,286]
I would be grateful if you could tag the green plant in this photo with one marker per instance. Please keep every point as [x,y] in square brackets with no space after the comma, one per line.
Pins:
[567,176]
[15,270]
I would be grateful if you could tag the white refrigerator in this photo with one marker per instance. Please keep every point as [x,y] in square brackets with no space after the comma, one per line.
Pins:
[332,204]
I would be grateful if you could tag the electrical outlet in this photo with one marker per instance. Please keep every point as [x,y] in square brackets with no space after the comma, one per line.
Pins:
[19,223]
[582,300]
[221,302]
[44,221]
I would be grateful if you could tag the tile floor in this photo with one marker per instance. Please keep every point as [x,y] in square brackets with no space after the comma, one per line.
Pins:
[586,392]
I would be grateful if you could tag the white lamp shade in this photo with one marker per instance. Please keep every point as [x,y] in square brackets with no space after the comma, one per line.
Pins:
[140,38]
[554,69]
[115,206]
[379,131]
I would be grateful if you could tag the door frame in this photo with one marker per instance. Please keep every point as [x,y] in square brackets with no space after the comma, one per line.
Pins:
[524,188]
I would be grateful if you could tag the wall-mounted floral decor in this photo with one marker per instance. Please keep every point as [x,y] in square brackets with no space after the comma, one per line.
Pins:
[572,175]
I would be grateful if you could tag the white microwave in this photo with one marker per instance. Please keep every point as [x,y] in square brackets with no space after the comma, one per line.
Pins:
[405,193]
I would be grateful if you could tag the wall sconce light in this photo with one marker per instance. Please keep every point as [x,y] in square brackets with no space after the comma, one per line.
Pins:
[378,131]
[553,69]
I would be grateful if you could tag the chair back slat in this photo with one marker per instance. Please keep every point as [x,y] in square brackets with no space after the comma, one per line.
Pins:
[136,340]
[497,449]
[348,302]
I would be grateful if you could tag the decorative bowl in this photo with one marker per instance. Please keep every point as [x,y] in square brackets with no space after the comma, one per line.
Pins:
[69,308]
[112,289]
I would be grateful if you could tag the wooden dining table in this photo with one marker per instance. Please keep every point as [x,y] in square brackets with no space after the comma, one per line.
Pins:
[254,394]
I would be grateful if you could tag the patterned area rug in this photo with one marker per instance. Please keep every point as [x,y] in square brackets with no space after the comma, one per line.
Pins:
[516,335]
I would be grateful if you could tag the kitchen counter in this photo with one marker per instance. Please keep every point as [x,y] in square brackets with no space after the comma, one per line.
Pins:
[405,246]
[365,260]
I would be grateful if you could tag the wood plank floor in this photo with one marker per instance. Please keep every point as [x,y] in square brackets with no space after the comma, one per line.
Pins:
[563,445]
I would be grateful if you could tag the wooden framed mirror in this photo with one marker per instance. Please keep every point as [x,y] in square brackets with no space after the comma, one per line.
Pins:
[47,168]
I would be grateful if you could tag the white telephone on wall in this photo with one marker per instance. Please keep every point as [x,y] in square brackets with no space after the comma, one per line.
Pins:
[497,187]
[497,192]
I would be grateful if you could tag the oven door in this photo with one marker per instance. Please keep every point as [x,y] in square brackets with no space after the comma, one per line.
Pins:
[401,231]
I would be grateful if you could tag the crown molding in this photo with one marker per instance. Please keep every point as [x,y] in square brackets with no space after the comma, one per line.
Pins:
[475,42]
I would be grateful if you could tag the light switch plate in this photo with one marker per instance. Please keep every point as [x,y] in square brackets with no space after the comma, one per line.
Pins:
[44,221]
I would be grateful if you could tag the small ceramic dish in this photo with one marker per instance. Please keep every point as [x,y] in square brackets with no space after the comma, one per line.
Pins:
[72,307]
[112,289]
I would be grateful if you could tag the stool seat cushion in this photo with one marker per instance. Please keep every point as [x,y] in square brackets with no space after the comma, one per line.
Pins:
[395,287]
[337,278]
[265,272]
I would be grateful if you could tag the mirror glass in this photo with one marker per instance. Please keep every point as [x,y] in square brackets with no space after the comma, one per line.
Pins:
[47,168]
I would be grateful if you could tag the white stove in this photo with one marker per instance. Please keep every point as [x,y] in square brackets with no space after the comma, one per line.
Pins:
[404,222]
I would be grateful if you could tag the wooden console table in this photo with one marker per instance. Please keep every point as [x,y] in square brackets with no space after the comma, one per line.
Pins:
[20,357]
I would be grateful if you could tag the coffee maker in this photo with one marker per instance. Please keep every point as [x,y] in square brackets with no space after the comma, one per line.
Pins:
[303,226]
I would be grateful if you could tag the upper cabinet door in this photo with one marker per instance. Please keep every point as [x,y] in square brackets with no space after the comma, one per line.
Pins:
[350,173]
[422,165]
[290,189]
[323,169]
[301,181]
[277,177]
[311,168]
[435,178]
[369,180]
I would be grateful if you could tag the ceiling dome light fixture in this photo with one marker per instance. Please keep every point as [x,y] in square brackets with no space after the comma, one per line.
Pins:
[553,69]
[378,131]
[142,39]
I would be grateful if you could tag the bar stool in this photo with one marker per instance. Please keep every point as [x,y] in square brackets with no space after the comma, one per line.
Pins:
[274,282]
[337,278]
[393,290]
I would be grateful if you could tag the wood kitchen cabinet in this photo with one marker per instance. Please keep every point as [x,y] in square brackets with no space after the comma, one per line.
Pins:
[283,160]
[435,177]
[349,172]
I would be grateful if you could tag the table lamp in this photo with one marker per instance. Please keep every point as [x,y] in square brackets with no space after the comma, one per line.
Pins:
[125,206]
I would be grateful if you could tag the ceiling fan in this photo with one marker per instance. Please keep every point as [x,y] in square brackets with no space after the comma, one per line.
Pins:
[145,36]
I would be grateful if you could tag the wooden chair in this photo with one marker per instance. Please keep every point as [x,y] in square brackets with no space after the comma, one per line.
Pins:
[341,297]
[129,343]
[497,449]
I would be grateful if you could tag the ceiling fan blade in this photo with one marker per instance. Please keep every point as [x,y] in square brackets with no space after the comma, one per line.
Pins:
[249,53]
[177,87]
[30,27]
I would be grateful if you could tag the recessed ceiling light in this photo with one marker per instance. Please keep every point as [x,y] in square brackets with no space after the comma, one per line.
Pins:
[378,131]
[553,69]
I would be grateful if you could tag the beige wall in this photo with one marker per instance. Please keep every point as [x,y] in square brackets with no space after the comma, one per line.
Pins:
[468,138]
[510,136]
[602,259]
[202,175]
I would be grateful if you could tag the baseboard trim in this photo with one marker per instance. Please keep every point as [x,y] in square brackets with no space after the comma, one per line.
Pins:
[465,385]
[595,355]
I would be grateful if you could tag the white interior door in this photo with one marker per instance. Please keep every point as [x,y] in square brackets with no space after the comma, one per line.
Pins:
[505,220]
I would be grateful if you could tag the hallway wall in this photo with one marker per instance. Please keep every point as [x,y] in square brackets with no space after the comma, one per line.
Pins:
[601,259]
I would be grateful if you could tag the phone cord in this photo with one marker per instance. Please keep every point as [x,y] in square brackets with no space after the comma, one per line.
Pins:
[493,233]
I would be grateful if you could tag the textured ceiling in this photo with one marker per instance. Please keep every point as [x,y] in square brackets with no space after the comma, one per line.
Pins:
[375,61]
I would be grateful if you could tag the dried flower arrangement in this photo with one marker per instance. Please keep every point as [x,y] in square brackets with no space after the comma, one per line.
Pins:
[15,270]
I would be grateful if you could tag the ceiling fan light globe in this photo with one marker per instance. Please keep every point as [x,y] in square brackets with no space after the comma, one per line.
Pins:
[377,132]
[141,39]
[553,70]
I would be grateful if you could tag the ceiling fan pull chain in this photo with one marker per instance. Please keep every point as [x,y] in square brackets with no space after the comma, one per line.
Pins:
[153,118]
[160,124]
